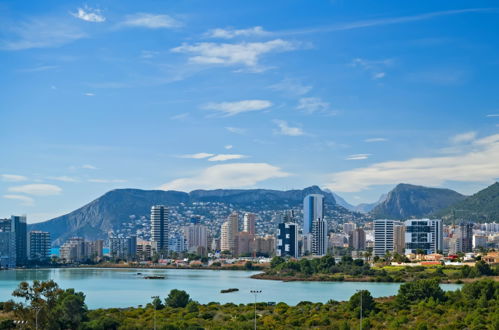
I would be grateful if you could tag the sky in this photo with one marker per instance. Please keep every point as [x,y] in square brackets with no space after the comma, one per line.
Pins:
[353,96]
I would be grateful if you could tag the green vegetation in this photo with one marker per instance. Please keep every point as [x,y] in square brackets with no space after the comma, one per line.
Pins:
[418,305]
[348,269]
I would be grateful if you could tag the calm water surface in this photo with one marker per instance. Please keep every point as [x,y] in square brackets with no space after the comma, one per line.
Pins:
[124,288]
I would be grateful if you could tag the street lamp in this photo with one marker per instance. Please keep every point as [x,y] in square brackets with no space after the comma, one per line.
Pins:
[154,306]
[255,292]
[37,310]
[360,291]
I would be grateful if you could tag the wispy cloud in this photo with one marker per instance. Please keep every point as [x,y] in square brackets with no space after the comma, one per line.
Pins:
[40,33]
[13,177]
[463,137]
[227,109]
[40,68]
[37,189]
[229,33]
[89,15]
[377,139]
[285,129]
[476,165]
[244,53]
[358,157]
[236,130]
[361,24]
[291,86]
[225,157]
[180,116]
[229,146]
[151,21]
[373,67]
[63,178]
[312,105]
[235,175]
[199,155]
[25,200]
[89,94]
[493,115]
[106,180]
[89,167]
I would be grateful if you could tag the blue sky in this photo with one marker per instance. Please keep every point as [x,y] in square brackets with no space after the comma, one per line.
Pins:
[354,96]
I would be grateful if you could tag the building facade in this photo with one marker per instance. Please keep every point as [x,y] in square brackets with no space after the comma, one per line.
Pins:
[313,208]
[159,228]
[7,245]
[357,239]
[319,237]
[383,236]
[424,235]
[39,245]
[123,247]
[249,223]
[287,240]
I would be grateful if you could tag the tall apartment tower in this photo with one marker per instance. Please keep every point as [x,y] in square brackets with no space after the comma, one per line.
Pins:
[196,235]
[357,239]
[249,223]
[7,244]
[423,234]
[313,208]
[319,237]
[383,236]
[287,240]
[159,228]
[399,239]
[19,228]
[465,232]
[229,232]
[39,245]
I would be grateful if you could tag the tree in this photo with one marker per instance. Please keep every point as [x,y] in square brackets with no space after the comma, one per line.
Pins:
[416,291]
[157,304]
[276,261]
[368,303]
[177,298]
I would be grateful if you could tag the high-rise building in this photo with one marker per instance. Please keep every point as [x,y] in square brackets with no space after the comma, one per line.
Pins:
[287,240]
[244,244]
[229,232]
[7,245]
[313,208]
[177,243]
[123,247]
[73,250]
[383,236]
[196,235]
[357,239]
[39,245]
[319,237]
[160,228]
[19,228]
[423,234]
[480,241]
[399,239]
[265,245]
[465,232]
[249,222]
[349,227]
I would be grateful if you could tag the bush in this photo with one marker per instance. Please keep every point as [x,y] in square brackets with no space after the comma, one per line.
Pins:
[177,298]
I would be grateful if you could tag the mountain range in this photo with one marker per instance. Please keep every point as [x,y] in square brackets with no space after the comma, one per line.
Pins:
[130,208]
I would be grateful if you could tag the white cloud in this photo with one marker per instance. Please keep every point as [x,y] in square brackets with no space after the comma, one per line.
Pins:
[151,21]
[236,130]
[90,15]
[243,53]
[493,115]
[199,155]
[476,165]
[180,116]
[285,129]
[25,200]
[13,177]
[233,108]
[228,147]
[224,157]
[106,180]
[256,31]
[63,178]
[312,105]
[372,67]
[358,157]
[377,139]
[89,167]
[40,33]
[293,87]
[463,138]
[89,94]
[37,189]
[379,75]
[235,175]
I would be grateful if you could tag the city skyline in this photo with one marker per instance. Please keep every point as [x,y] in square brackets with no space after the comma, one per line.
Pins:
[277,96]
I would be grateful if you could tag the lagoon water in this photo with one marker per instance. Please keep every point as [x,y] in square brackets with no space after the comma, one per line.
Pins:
[124,288]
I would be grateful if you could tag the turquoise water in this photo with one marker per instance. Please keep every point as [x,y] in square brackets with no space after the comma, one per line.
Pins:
[124,288]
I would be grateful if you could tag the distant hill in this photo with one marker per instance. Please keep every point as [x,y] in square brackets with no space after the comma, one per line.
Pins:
[407,201]
[480,207]
[368,207]
[110,211]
